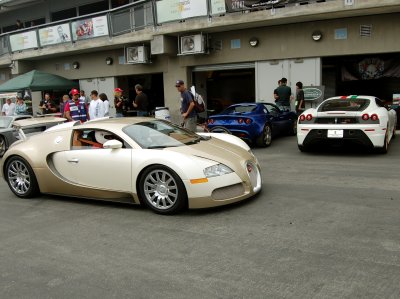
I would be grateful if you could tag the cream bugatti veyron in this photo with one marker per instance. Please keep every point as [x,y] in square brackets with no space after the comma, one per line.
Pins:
[138,160]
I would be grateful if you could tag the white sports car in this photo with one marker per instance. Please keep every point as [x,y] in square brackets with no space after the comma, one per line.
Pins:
[135,160]
[360,119]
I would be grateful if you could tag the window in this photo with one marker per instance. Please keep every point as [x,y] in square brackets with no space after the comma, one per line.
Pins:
[92,139]
[63,14]
[93,8]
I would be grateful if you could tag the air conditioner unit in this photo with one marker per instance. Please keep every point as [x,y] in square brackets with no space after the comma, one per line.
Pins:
[192,44]
[137,54]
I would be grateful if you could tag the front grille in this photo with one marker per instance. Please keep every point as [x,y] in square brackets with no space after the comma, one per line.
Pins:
[228,192]
[337,120]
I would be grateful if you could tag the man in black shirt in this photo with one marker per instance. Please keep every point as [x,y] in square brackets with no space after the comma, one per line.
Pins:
[47,105]
[282,95]
[141,103]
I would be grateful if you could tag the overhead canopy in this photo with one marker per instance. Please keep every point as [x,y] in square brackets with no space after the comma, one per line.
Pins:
[37,81]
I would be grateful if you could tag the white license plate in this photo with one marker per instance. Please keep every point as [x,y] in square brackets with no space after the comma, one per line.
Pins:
[335,133]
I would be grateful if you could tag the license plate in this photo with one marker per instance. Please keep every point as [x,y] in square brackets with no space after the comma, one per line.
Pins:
[335,133]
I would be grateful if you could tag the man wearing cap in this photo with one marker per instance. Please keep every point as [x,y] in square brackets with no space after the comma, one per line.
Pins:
[76,109]
[187,107]
[119,102]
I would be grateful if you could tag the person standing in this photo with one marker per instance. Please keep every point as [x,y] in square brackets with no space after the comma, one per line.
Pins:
[276,97]
[63,102]
[8,108]
[141,103]
[187,107]
[106,103]
[96,106]
[84,98]
[47,105]
[300,103]
[283,93]
[20,107]
[120,103]
[76,109]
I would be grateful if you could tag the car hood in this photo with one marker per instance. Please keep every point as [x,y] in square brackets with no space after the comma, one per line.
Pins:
[217,150]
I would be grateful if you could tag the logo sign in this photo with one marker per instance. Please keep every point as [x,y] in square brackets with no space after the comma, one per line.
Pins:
[313,93]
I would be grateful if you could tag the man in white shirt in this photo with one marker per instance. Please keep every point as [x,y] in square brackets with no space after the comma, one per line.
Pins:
[8,108]
[96,107]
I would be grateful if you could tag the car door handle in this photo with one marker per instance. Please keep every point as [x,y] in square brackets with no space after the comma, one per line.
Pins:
[74,160]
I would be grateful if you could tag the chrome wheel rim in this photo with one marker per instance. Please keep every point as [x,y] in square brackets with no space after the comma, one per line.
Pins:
[267,135]
[2,146]
[18,177]
[160,189]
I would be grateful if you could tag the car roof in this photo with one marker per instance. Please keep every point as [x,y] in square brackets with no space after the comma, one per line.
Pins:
[27,122]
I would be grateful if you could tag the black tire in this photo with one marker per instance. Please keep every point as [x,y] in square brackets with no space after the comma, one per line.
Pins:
[20,178]
[385,147]
[265,139]
[302,148]
[162,190]
[219,129]
[293,130]
[3,146]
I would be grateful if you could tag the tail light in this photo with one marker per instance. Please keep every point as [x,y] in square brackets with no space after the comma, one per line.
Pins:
[248,121]
[374,117]
[365,116]
[240,120]
[309,117]
[302,117]
[210,121]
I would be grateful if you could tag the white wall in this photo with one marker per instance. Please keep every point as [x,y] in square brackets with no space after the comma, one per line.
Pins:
[306,70]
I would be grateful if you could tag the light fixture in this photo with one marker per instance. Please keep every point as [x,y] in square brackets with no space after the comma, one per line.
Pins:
[75,65]
[253,41]
[109,61]
[316,35]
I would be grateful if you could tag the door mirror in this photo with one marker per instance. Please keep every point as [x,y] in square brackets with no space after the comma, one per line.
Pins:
[113,144]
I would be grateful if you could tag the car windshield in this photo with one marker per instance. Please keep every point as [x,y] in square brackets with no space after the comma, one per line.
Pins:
[239,109]
[5,122]
[160,134]
[348,104]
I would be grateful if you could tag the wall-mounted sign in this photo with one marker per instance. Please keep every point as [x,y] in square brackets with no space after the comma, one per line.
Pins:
[314,93]
[89,28]
[173,10]
[341,33]
[54,35]
[23,41]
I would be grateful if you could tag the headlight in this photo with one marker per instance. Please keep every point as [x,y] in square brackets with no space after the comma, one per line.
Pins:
[216,170]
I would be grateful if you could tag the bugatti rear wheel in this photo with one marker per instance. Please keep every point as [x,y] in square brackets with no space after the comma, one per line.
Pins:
[3,146]
[20,178]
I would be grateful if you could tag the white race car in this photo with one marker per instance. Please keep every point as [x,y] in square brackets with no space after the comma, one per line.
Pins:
[359,119]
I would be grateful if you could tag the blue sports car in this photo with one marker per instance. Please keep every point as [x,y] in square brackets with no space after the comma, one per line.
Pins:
[256,123]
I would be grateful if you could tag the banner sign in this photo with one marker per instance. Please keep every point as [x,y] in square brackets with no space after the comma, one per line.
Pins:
[54,35]
[371,68]
[173,10]
[239,5]
[89,28]
[23,41]
[217,7]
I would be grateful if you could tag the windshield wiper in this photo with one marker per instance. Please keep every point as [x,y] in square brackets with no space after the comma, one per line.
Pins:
[160,146]
[194,141]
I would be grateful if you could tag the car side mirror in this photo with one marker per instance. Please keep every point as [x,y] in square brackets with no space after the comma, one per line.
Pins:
[113,144]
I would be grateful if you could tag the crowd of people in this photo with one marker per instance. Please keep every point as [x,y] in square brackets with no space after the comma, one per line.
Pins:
[77,106]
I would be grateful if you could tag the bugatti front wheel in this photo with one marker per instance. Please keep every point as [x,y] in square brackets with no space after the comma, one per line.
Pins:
[265,139]
[162,190]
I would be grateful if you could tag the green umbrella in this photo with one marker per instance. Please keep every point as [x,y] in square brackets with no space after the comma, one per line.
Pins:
[37,81]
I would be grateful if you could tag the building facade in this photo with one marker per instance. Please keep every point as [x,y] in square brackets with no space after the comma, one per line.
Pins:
[232,51]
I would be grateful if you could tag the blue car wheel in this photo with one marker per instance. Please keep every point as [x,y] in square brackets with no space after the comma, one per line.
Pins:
[265,139]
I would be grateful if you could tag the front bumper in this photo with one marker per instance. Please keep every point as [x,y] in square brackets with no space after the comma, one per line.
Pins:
[223,190]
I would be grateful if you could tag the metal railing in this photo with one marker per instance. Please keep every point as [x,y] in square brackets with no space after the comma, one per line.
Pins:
[121,20]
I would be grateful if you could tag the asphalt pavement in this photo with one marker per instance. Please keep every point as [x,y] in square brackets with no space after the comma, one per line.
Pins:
[326,225]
